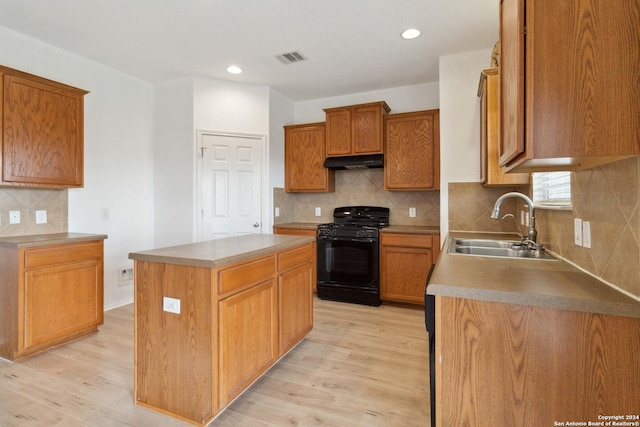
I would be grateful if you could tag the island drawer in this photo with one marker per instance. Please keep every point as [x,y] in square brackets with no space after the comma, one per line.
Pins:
[294,257]
[246,275]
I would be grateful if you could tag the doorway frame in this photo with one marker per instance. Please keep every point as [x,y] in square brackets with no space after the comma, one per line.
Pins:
[264,185]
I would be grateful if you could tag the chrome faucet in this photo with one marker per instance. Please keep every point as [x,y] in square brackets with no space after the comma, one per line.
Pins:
[495,214]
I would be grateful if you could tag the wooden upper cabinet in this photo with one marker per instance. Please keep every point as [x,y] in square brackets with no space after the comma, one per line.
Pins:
[412,151]
[355,129]
[304,154]
[491,174]
[42,132]
[569,84]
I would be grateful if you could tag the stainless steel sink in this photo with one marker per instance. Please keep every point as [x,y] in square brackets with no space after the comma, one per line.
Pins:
[496,248]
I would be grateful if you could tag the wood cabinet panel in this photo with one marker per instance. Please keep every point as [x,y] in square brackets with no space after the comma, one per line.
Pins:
[412,151]
[51,294]
[304,151]
[491,173]
[355,129]
[42,132]
[367,127]
[248,338]
[339,133]
[569,99]
[246,274]
[505,364]
[405,261]
[295,293]
[61,301]
[295,257]
[174,352]
[46,256]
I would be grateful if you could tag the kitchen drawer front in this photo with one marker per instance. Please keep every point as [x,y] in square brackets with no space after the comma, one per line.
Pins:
[295,257]
[246,275]
[61,254]
[407,240]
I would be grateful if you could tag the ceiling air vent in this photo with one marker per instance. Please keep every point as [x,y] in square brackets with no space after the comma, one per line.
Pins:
[291,57]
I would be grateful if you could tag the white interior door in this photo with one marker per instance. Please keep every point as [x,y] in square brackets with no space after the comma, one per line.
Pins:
[230,185]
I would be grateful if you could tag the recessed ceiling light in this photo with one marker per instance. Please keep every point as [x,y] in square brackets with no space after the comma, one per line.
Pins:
[234,69]
[410,34]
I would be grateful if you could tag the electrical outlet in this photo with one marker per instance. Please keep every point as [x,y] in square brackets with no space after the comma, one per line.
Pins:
[104,214]
[318,211]
[586,234]
[577,231]
[412,212]
[171,305]
[125,276]
[41,217]
[277,211]
[14,217]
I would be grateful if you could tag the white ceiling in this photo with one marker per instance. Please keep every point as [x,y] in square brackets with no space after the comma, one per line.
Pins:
[351,45]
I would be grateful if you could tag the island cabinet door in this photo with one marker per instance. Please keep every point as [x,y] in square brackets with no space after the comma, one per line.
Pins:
[295,297]
[248,338]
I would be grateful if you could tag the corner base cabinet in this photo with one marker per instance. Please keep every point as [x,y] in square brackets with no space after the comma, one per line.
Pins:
[203,334]
[51,295]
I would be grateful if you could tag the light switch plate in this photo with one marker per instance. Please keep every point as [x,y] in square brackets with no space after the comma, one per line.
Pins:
[41,217]
[586,234]
[277,214]
[171,305]
[577,231]
[412,212]
[14,217]
[318,211]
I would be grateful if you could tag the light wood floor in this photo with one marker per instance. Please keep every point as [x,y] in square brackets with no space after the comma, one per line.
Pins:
[360,366]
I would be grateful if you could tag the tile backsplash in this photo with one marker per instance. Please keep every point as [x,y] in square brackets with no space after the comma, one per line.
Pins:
[359,187]
[607,196]
[28,201]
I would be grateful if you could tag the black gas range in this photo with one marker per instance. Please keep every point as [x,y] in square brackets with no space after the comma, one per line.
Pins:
[348,255]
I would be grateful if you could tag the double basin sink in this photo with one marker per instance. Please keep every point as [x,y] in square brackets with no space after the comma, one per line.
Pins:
[497,248]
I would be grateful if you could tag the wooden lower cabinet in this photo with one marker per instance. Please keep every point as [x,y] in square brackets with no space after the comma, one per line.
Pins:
[518,365]
[235,322]
[52,294]
[248,332]
[405,261]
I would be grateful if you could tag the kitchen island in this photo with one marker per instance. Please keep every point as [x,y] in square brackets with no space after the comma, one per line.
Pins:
[211,317]
[531,342]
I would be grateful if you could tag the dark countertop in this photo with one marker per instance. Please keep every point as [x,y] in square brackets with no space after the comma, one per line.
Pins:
[220,252]
[48,239]
[552,284]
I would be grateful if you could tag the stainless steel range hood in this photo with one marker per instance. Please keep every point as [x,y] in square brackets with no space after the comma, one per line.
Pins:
[355,162]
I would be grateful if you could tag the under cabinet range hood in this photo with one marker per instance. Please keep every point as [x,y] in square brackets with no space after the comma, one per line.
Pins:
[355,162]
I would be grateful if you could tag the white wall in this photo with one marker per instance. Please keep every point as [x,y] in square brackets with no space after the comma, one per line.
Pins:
[459,123]
[118,151]
[184,107]
[400,100]
[281,112]
[173,157]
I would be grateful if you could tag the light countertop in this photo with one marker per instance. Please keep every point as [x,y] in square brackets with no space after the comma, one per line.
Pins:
[220,252]
[48,239]
[553,284]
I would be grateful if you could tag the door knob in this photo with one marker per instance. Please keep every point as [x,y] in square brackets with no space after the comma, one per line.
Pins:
[256,224]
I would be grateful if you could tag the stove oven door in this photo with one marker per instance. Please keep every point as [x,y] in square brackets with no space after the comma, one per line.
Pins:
[348,267]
